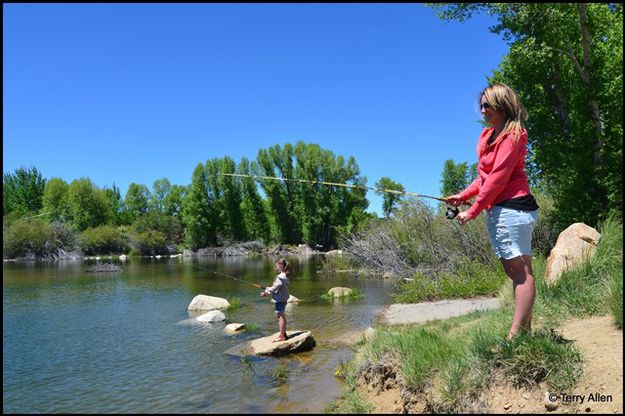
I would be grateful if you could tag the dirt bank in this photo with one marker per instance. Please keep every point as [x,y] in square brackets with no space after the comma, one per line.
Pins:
[600,343]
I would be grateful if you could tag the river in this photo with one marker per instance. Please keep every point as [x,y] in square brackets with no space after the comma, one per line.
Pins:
[75,342]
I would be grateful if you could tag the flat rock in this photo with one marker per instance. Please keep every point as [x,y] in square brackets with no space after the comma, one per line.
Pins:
[297,341]
[416,313]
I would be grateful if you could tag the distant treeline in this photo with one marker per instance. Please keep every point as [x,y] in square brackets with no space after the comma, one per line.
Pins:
[212,210]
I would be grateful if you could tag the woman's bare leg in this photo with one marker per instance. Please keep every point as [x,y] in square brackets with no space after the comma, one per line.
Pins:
[519,269]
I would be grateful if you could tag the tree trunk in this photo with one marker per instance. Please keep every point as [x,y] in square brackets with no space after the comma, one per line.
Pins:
[595,112]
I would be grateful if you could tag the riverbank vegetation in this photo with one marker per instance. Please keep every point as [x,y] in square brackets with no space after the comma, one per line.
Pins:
[565,61]
[40,215]
[446,365]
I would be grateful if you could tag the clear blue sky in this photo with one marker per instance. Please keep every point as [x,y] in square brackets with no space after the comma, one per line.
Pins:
[125,93]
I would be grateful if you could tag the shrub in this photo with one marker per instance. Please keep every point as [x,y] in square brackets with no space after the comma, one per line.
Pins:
[417,239]
[547,230]
[337,262]
[105,239]
[149,243]
[29,236]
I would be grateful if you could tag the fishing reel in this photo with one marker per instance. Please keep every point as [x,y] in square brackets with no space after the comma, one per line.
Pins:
[451,213]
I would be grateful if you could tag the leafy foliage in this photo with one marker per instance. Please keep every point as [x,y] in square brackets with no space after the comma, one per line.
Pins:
[566,63]
[22,191]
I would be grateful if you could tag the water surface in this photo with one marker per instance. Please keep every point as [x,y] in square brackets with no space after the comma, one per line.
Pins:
[120,343]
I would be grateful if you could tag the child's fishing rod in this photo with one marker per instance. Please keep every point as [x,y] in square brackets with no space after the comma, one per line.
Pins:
[232,277]
[451,211]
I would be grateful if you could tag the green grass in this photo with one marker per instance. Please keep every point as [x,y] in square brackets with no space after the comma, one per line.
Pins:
[280,373]
[455,360]
[235,303]
[471,279]
[252,327]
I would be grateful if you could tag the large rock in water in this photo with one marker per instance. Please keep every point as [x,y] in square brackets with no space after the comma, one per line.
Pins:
[207,303]
[297,341]
[339,292]
[574,246]
[212,316]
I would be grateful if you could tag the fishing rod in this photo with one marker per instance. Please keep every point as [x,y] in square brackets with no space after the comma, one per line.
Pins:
[232,277]
[450,214]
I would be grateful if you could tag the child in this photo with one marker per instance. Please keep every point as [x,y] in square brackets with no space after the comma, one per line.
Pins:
[280,293]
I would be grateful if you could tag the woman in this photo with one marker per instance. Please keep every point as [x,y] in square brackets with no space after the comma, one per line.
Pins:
[503,191]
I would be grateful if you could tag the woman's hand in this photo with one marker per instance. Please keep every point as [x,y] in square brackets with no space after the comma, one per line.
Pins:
[263,293]
[454,200]
[463,218]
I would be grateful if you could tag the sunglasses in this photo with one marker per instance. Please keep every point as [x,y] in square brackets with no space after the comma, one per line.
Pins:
[485,106]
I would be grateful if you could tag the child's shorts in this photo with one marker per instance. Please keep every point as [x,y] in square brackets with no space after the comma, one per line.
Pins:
[510,231]
[280,306]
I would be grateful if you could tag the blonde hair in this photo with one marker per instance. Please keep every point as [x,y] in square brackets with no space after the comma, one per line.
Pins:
[503,98]
[286,266]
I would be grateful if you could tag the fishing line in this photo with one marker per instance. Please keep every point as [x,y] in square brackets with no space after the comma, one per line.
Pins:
[227,275]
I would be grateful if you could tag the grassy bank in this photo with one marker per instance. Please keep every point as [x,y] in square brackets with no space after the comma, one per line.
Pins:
[449,364]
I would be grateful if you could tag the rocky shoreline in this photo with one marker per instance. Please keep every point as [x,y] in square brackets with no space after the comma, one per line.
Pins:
[236,249]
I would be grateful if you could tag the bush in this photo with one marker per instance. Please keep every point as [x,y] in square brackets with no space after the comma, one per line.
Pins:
[337,262]
[418,240]
[547,230]
[149,243]
[105,239]
[29,236]
[34,236]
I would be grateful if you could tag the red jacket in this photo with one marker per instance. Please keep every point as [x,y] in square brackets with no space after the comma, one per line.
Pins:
[501,171]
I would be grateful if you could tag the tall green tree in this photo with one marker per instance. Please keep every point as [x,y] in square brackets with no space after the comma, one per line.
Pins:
[89,206]
[56,201]
[160,189]
[215,192]
[232,199]
[310,212]
[566,63]
[22,191]
[278,162]
[199,212]
[116,204]
[252,205]
[136,201]
[390,200]
[455,177]
[172,202]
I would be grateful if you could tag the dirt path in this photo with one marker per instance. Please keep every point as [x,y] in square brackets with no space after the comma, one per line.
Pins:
[601,345]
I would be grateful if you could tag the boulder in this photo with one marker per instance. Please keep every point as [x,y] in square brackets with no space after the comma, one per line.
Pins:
[187,253]
[207,303]
[574,246]
[212,316]
[297,341]
[334,253]
[339,292]
[234,328]
[123,257]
